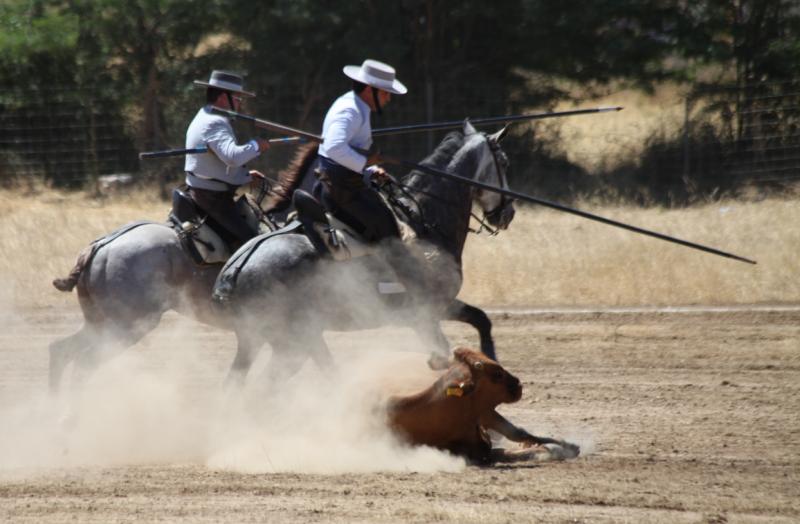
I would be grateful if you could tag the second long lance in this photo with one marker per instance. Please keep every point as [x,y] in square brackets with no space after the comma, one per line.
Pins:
[397,130]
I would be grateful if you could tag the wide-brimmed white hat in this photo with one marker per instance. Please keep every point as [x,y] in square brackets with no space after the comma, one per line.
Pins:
[226,81]
[376,74]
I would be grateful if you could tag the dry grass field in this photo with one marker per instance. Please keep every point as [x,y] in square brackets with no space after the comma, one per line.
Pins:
[687,415]
[546,258]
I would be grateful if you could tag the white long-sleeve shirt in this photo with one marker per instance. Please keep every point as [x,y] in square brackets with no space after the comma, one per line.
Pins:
[347,126]
[225,159]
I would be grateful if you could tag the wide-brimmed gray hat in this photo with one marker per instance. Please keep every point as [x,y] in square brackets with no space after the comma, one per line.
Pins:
[376,74]
[226,81]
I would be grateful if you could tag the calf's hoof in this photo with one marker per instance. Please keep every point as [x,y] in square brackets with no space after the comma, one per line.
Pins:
[563,450]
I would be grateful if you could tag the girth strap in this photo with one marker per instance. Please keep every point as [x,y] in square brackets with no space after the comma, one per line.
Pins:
[226,281]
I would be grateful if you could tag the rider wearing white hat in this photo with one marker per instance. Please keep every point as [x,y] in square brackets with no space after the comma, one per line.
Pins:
[343,171]
[213,177]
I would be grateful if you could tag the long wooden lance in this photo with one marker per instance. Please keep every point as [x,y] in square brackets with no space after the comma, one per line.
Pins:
[201,150]
[454,124]
[458,124]
[384,131]
[528,198]
[266,124]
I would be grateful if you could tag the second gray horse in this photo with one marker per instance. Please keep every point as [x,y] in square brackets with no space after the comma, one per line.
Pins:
[287,294]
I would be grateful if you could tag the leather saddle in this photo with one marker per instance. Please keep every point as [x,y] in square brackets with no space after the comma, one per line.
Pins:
[206,241]
[332,238]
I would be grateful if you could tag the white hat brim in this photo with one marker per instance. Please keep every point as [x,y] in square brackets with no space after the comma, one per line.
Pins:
[355,73]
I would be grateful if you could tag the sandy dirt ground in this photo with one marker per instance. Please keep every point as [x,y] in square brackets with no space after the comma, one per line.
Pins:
[682,417]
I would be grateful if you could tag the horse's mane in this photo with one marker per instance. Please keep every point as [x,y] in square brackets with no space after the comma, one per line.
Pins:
[290,178]
[439,159]
[437,200]
[445,151]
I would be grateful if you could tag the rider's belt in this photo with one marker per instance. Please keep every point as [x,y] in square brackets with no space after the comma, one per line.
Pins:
[336,175]
[208,183]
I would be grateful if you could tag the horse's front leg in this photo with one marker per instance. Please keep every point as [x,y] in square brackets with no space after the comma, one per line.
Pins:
[430,331]
[476,318]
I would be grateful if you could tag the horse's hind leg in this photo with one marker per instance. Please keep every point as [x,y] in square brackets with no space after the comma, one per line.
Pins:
[248,342]
[314,344]
[476,318]
[66,351]
[98,344]
[288,358]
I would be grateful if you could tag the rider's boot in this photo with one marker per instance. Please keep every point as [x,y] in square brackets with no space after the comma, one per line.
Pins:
[311,214]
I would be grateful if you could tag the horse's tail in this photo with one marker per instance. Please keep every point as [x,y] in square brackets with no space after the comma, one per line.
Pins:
[69,282]
[290,178]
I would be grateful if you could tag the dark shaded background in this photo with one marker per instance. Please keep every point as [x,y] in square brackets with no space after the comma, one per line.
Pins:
[86,85]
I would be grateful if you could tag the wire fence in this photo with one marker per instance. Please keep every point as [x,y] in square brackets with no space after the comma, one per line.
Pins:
[729,137]
[62,135]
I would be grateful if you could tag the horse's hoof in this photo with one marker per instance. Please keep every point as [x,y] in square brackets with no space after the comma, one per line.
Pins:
[438,362]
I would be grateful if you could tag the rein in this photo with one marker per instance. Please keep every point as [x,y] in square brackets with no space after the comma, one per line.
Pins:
[432,226]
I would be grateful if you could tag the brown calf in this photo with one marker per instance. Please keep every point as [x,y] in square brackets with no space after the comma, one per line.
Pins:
[455,413]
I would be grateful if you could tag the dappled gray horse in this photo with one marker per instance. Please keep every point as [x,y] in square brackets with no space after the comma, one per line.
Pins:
[126,288]
[287,294]
[125,282]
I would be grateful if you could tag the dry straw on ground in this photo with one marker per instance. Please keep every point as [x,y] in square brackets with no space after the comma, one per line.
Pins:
[546,258]
[551,258]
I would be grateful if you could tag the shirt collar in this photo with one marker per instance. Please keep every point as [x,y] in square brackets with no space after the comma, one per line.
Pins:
[362,106]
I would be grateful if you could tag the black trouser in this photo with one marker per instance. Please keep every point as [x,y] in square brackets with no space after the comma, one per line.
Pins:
[221,208]
[343,193]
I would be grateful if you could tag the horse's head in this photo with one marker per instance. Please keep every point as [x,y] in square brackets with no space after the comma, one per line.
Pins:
[498,209]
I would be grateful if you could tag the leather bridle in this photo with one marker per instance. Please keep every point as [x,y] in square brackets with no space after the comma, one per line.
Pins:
[505,201]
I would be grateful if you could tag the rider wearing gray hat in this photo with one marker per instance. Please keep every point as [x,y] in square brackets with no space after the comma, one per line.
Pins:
[213,177]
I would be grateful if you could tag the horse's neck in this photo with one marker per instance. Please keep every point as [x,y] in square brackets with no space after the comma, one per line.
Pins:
[445,205]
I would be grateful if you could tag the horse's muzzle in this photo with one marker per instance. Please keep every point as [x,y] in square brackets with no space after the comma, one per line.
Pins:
[502,217]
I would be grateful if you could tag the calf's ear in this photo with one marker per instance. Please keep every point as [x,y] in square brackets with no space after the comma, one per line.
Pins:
[461,354]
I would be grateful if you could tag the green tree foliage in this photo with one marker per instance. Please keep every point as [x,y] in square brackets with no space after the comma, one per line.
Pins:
[37,43]
[137,58]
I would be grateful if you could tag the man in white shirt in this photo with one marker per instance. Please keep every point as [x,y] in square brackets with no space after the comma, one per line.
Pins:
[344,172]
[213,177]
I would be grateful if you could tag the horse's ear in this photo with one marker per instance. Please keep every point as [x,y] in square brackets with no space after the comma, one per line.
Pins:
[497,137]
[468,129]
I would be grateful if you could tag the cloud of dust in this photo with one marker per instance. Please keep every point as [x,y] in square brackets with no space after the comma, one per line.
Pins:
[325,425]
[320,423]
[583,437]
[163,402]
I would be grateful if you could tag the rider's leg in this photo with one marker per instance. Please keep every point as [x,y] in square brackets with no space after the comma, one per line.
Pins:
[220,206]
[376,220]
